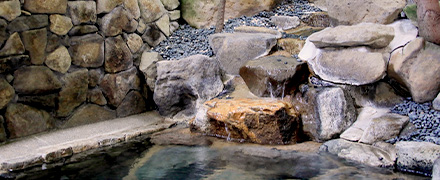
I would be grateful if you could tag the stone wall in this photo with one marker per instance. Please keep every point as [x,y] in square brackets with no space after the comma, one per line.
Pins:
[66,63]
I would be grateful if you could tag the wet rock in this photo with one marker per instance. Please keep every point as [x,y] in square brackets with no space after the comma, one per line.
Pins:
[373,35]
[359,66]
[118,20]
[44,101]
[95,96]
[133,103]
[153,36]
[3,137]
[105,6]
[7,92]
[174,15]
[134,42]
[35,42]
[35,80]
[95,76]
[361,153]
[404,32]
[179,137]
[234,50]
[285,22]
[74,92]
[46,6]
[23,120]
[416,67]
[185,84]
[163,24]
[10,9]
[151,10]
[13,46]
[25,23]
[89,113]
[82,11]
[264,121]
[117,55]
[417,157]
[60,25]
[116,86]
[318,19]
[291,45]
[436,103]
[11,63]
[87,50]
[274,76]
[82,30]
[170,4]
[378,94]
[59,60]
[348,12]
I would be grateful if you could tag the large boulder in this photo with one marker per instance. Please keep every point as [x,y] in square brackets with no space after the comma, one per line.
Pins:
[10,9]
[417,156]
[116,86]
[118,56]
[35,80]
[118,20]
[264,121]
[23,120]
[87,50]
[74,91]
[233,50]
[185,84]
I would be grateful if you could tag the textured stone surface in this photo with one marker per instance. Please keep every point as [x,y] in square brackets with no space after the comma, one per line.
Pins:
[89,113]
[286,22]
[24,23]
[291,45]
[117,55]
[133,103]
[118,20]
[149,68]
[378,94]
[11,63]
[105,6]
[174,15]
[10,9]
[404,32]
[13,46]
[82,30]
[95,96]
[134,42]
[163,24]
[153,36]
[59,24]
[265,121]
[185,84]
[95,76]
[417,156]
[59,60]
[87,50]
[48,101]
[23,120]
[35,80]
[436,103]
[170,4]
[35,42]
[82,11]
[133,7]
[116,86]
[151,10]
[7,92]
[274,76]
[74,92]
[46,6]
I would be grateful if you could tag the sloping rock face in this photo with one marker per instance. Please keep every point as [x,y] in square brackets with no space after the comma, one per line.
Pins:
[417,156]
[264,121]
[183,85]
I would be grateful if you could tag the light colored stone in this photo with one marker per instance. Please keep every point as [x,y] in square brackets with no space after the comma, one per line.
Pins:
[10,9]
[291,45]
[285,22]
[404,32]
[304,30]
[13,46]
[416,156]
[163,24]
[35,42]
[253,29]
[35,80]
[23,120]
[133,7]
[7,92]
[116,86]
[60,25]
[151,10]
[309,51]
[317,19]
[174,15]
[134,42]
[87,50]
[436,103]
[141,26]
[59,60]
[149,68]
[174,26]
[170,4]
[436,170]
[356,131]
[74,92]
[88,114]
[82,11]
[118,20]
[46,6]
[117,55]
[105,6]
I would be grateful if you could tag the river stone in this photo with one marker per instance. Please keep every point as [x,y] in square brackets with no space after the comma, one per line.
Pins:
[148,67]
[118,20]
[23,120]
[416,156]
[291,45]
[185,84]
[59,24]
[82,30]
[116,86]
[3,137]
[285,22]
[151,10]
[436,103]
[364,34]
[7,93]
[35,80]
[133,103]
[174,15]
[349,12]
[170,4]
[117,55]
[95,96]
[404,32]
[13,46]
[134,42]
[95,76]
[10,9]
[59,60]
[163,24]
[354,66]
[416,67]
[46,6]
[35,42]
[82,11]
[74,92]
[87,50]
[233,50]
[105,6]
[153,36]
[48,101]
[274,76]
[24,23]
[361,153]
[89,113]
[263,121]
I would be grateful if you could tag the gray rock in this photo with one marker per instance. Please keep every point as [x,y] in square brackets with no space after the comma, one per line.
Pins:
[133,7]
[286,22]
[105,6]
[73,92]
[82,30]
[118,20]
[151,10]
[95,96]
[170,4]
[436,103]
[317,19]
[89,113]
[134,42]
[436,170]
[60,25]
[59,60]
[133,103]
[116,86]
[10,9]
[416,156]
[35,42]
[234,50]
[42,101]
[82,11]
[13,46]
[354,66]
[174,15]
[46,6]
[95,76]
[153,36]
[35,80]
[174,26]
[7,92]
[253,29]
[25,23]
[378,94]
[185,84]
[366,114]
[87,50]
[23,120]
[163,24]
[117,55]
[148,67]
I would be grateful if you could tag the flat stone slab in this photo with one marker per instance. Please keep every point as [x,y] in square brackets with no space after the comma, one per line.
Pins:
[49,147]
